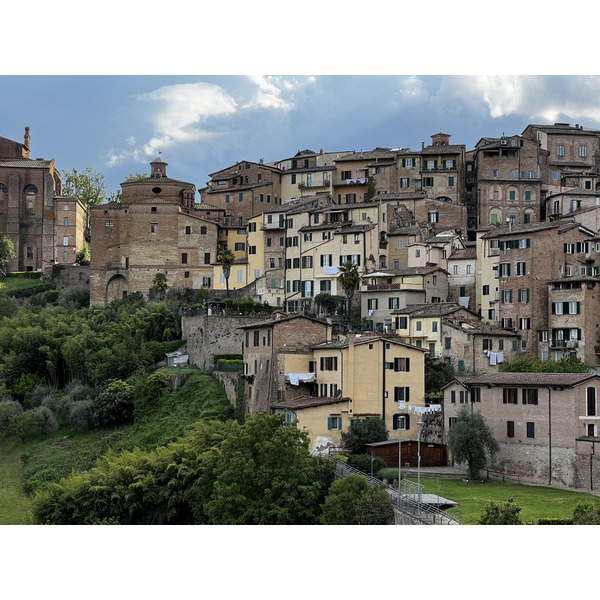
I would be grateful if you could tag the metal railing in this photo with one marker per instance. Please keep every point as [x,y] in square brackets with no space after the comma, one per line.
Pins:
[407,501]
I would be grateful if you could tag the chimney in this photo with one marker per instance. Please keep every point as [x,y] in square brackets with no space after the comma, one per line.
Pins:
[321,151]
[27,140]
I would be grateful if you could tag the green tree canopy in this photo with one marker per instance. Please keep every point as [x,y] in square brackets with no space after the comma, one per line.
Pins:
[568,364]
[7,252]
[437,374]
[363,432]
[471,441]
[88,186]
[352,501]
[349,279]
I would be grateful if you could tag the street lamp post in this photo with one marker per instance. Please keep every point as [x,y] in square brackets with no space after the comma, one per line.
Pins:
[400,426]
[419,425]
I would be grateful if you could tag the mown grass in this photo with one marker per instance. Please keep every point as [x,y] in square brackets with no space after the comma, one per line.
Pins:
[536,502]
[15,505]
[12,284]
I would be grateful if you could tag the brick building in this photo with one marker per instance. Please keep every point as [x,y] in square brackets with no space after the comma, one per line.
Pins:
[509,180]
[528,258]
[546,424]
[265,344]
[33,212]
[153,229]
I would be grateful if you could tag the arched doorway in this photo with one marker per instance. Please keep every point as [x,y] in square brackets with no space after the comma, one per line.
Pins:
[116,288]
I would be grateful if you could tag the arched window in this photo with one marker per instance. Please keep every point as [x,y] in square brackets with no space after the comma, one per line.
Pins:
[30,189]
[591,402]
[29,253]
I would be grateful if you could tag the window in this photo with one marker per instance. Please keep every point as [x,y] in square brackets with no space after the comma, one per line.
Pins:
[207,258]
[504,269]
[401,364]
[486,290]
[393,303]
[184,258]
[240,246]
[307,262]
[417,254]
[510,429]
[206,282]
[65,256]
[507,297]
[66,221]
[524,323]
[109,223]
[65,241]
[401,422]
[591,401]
[448,343]
[523,295]
[372,303]
[530,430]
[334,423]
[569,248]
[530,396]
[328,363]
[525,243]
[326,260]
[453,397]
[401,394]
[573,307]
[427,181]
[495,173]
[239,276]
[404,182]
[509,395]
[455,270]
[408,162]
[560,150]
[186,274]
[583,151]
[419,325]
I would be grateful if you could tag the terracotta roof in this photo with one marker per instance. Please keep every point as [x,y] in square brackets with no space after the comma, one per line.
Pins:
[28,163]
[463,253]
[307,402]
[529,379]
[475,326]
[433,309]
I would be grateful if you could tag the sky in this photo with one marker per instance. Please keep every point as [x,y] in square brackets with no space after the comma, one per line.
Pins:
[202,123]
[114,94]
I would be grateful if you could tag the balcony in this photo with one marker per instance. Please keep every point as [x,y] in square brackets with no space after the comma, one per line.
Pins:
[559,344]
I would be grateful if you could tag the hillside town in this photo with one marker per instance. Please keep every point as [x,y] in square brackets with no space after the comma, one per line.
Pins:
[470,256]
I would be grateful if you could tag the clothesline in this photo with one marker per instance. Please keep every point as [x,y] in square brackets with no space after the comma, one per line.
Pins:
[420,410]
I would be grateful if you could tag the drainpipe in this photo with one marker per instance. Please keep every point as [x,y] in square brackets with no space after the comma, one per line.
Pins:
[549,435]
[383,382]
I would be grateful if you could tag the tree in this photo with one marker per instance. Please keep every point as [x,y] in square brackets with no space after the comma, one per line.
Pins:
[371,191]
[349,278]
[586,512]
[7,252]
[437,374]
[225,259]
[568,364]
[83,256]
[88,186]
[352,501]
[114,404]
[330,303]
[501,513]
[363,432]
[160,284]
[265,475]
[470,440]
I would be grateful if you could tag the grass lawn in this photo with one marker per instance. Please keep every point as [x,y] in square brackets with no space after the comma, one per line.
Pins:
[536,502]
[12,284]
[14,502]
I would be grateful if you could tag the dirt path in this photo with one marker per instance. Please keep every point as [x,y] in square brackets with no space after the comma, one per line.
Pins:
[15,505]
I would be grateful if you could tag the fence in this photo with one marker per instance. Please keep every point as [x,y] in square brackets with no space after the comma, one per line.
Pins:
[408,505]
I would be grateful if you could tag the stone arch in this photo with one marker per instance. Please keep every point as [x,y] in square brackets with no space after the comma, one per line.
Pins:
[116,288]
[512,193]
[495,216]
[529,194]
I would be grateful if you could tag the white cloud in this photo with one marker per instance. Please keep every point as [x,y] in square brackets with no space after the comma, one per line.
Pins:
[410,87]
[177,114]
[535,97]
[268,92]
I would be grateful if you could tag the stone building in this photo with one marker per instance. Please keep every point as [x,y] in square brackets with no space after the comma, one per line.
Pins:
[154,229]
[546,424]
[33,214]
[265,344]
[527,258]
[243,190]
[509,180]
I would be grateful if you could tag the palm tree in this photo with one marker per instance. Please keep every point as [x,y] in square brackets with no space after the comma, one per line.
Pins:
[160,285]
[349,278]
[225,259]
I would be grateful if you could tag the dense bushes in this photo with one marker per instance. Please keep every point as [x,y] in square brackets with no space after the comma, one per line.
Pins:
[222,472]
